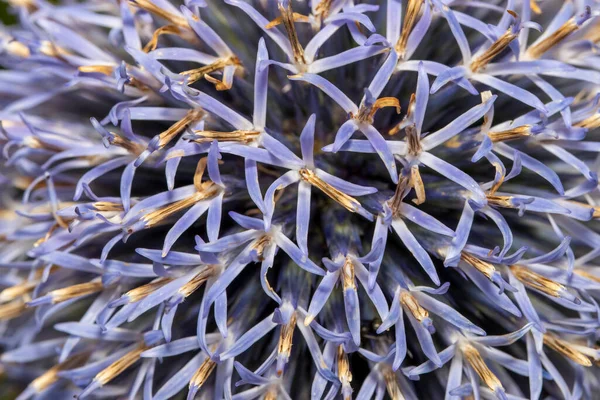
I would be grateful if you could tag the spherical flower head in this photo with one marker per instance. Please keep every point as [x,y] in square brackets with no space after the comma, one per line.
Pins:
[280,199]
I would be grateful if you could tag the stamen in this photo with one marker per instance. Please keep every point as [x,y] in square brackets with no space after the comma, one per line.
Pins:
[132,147]
[348,274]
[535,7]
[271,393]
[396,201]
[417,183]
[106,206]
[587,275]
[409,301]
[538,282]
[412,11]
[287,18]
[500,201]
[477,363]
[140,292]
[168,135]
[413,140]
[157,216]
[295,16]
[592,122]
[322,9]
[348,202]
[50,49]
[17,49]
[494,50]
[196,74]
[343,367]
[160,12]
[286,334]
[238,136]
[203,373]
[45,238]
[555,38]
[116,368]
[97,69]
[198,280]
[13,309]
[566,349]
[16,291]
[163,30]
[49,377]
[407,117]
[71,292]
[510,134]
[500,180]
[484,267]
[260,244]
[391,383]
[382,103]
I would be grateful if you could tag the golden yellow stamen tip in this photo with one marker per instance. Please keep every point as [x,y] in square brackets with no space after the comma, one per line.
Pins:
[536,281]
[163,30]
[409,301]
[566,349]
[538,50]
[308,320]
[484,267]
[348,202]
[485,374]
[116,368]
[412,11]
[287,19]
[417,183]
[510,134]
[203,373]
[494,50]
[71,292]
[160,12]
[286,334]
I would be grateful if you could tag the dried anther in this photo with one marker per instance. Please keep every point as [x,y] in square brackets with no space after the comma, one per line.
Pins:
[191,117]
[494,50]
[287,18]
[238,136]
[485,374]
[348,274]
[203,373]
[566,349]
[409,301]
[286,334]
[412,11]
[538,282]
[484,267]
[510,134]
[555,38]
[348,202]
[194,75]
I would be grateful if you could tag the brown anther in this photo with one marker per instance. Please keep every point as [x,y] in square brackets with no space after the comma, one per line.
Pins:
[238,136]
[13,309]
[323,7]
[348,280]
[260,244]
[499,182]
[287,18]
[500,201]
[484,267]
[296,17]
[412,11]
[168,135]
[198,280]
[115,369]
[17,49]
[49,377]
[203,373]
[45,238]
[160,12]
[107,206]
[163,30]
[71,292]
[396,201]
[348,202]
[140,292]
[538,50]
[286,335]
[384,102]
[409,301]
[391,384]
[510,134]
[485,374]
[417,183]
[16,291]
[536,281]
[566,349]
[413,141]
[194,75]
[343,366]
[410,110]
[494,50]
[97,69]
[133,148]
[587,275]
[535,7]
[50,49]
[590,123]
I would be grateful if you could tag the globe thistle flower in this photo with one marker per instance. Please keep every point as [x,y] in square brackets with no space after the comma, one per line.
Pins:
[329,199]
